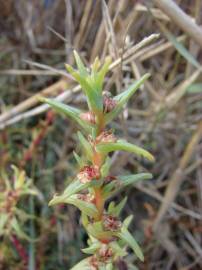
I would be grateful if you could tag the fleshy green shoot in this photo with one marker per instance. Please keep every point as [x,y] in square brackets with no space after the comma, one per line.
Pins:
[93,186]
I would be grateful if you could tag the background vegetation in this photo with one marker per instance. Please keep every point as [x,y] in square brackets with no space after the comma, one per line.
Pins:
[37,38]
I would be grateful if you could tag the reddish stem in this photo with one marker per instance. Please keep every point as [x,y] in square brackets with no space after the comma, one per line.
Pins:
[20,249]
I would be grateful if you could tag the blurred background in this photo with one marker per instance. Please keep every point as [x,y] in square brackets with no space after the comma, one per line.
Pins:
[163,38]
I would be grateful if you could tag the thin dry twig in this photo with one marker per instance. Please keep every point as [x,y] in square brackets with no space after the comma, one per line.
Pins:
[177,15]
[177,178]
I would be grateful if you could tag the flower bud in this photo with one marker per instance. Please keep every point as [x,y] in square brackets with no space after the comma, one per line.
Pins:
[105,253]
[88,117]
[108,102]
[111,223]
[90,198]
[106,137]
[88,173]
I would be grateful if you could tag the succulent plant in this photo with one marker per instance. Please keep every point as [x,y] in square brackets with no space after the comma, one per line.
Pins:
[93,186]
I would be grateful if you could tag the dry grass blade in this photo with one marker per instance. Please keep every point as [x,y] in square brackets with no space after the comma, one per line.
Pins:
[178,16]
[177,178]
[61,85]
[56,87]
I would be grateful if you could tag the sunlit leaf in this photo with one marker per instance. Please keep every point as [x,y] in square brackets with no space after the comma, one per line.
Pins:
[105,167]
[67,110]
[82,265]
[116,209]
[124,146]
[129,239]
[86,146]
[123,98]
[75,187]
[96,230]
[86,207]
[92,248]
[80,64]
[127,180]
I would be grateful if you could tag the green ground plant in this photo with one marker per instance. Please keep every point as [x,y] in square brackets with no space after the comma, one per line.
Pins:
[93,186]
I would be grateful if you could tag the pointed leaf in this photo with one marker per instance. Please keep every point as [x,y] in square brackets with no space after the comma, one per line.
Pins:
[91,250]
[75,187]
[67,111]
[101,74]
[84,265]
[133,178]
[79,78]
[124,146]
[93,98]
[128,238]
[105,167]
[116,210]
[80,64]
[119,250]
[86,145]
[85,207]
[127,221]
[96,230]
[123,98]
[78,159]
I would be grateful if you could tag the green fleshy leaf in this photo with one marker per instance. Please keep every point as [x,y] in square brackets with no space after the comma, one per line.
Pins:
[86,145]
[84,220]
[105,167]
[101,74]
[95,66]
[91,250]
[123,98]
[127,221]
[78,159]
[109,189]
[116,210]
[85,207]
[67,111]
[80,64]
[124,146]
[94,98]
[95,101]
[75,187]
[123,181]
[117,249]
[96,230]
[127,237]
[127,180]
[80,79]
[84,265]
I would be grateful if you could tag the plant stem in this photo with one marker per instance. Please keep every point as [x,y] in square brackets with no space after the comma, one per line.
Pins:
[98,161]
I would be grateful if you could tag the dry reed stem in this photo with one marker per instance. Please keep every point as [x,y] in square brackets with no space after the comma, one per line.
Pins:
[178,16]
[176,179]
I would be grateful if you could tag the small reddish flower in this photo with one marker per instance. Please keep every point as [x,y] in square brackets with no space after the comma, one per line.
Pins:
[106,137]
[88,173]
[88,117]
[105,253]
[90,198]
[111,223]
[108,102]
